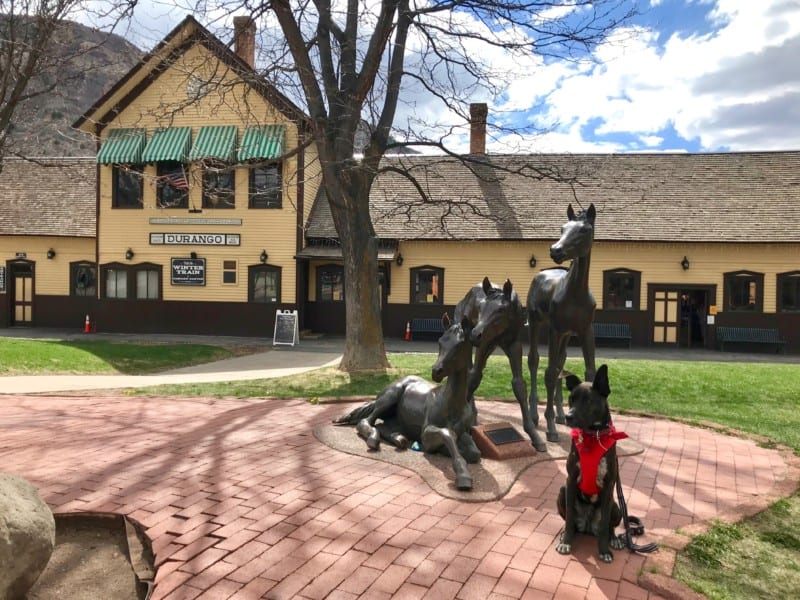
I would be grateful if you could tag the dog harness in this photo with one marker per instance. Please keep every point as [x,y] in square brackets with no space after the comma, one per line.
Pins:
[592,446]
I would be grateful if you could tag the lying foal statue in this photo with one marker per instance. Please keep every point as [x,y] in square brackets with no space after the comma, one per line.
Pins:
[437,416]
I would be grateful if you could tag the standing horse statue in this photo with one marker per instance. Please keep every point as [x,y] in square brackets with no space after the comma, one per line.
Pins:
[561,300]
[413,409]
[497,317]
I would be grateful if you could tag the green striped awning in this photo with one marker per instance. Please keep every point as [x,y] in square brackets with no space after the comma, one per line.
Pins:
[215,142]
[168,144]
[262,142]
[122,146]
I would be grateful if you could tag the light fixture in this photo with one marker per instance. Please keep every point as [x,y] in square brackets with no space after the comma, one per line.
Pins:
[129,254]
[193,254]
[263,256]
[532,262]
[51,254]
[399,260]
[685,263]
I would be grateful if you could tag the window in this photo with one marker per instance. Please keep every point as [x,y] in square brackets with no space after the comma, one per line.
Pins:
[147,287]
[116,283]
[330,283]
[621,289]
[228,271]
[173,187]
[127,187]
[427,285]
[265,186]
[83,279]
[265,284]
[789,291]
[218,188]
[744,290]
[139,282]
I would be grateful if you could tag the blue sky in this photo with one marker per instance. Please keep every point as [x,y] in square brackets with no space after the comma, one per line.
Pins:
[683,76]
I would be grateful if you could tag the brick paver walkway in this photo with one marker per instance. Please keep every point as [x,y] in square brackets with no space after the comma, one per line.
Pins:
[241,501]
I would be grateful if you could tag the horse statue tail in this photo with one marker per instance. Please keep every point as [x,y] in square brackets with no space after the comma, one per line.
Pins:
[354,416]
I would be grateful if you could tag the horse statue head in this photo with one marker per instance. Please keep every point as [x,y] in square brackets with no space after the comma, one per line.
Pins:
[577,236]
[500,312]
[455,349]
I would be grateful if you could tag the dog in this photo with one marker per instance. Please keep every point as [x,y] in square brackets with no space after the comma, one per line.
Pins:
[586,503]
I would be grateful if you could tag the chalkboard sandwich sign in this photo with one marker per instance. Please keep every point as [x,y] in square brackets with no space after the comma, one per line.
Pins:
[286,329]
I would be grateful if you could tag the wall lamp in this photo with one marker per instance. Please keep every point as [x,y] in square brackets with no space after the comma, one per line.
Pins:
[532,262]
[129,254]
[685,264]
[399,260]
[264,256]
[51,254]
[192,254]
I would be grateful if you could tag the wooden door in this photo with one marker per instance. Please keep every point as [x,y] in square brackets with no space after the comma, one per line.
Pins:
[666,316]
[22,290]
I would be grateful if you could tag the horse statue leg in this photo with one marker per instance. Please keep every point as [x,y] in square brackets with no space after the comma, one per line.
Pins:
[587,345]
[476,375]
[388,398]
[556,355]
[514,353]
[434,438]
[559,397]
[533,368]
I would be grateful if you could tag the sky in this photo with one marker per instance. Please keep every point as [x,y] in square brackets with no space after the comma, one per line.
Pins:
[682,76]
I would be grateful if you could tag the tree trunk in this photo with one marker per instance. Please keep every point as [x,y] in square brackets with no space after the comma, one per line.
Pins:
[364,348]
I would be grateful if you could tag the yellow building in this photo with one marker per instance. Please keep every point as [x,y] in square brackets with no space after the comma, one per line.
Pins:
[202,213]
[204,178]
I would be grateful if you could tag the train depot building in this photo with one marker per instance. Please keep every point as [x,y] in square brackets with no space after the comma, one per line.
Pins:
[202,212]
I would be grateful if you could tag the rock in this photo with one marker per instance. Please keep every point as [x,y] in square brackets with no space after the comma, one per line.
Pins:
[27,536]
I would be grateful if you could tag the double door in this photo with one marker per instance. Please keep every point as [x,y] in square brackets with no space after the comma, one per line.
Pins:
[678,315]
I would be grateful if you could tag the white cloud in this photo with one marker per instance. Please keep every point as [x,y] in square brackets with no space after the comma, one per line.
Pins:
[715,87]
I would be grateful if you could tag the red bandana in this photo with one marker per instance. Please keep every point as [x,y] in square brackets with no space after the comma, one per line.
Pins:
[592,446]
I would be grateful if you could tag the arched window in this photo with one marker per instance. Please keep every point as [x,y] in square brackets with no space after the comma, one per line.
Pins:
[621,289]
[427,285]
[83,279]
[744,290]
[789,291]
[264,284]
[330,283]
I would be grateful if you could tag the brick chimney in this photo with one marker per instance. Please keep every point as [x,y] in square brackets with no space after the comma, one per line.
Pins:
[244,39]
[477,134]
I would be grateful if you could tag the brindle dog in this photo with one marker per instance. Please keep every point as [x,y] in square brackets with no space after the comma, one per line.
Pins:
[586,503]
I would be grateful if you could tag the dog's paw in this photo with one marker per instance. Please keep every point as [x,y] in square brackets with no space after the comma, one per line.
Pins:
[563,548]
[606,557]
[617,543]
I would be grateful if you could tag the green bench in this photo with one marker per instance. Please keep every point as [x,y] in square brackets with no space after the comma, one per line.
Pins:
[750,335]
[612,331]
[426,327]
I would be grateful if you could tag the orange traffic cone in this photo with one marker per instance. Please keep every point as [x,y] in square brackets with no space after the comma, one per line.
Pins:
[87,326]
[408,331]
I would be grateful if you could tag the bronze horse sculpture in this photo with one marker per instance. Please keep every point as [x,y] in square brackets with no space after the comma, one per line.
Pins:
[437,416]
[561,300]
[497,316]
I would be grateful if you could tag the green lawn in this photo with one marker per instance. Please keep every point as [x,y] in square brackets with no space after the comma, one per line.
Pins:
[39,357]
[752,397]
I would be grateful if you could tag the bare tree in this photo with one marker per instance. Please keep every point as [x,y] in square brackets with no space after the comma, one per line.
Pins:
[351,60]
[33,52]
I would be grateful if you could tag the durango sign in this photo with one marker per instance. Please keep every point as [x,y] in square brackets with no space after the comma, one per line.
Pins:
[196,239]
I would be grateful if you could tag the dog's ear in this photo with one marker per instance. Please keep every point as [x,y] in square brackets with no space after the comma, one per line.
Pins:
[573,381]
[600,383]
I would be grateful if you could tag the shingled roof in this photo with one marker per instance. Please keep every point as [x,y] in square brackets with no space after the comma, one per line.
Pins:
[48,197]
[716,197]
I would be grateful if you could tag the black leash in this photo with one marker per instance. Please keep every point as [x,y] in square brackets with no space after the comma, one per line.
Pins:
[633,525]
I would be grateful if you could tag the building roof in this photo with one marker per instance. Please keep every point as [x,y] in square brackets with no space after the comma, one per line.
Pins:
[186,34]
[48,196]
[715,197]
